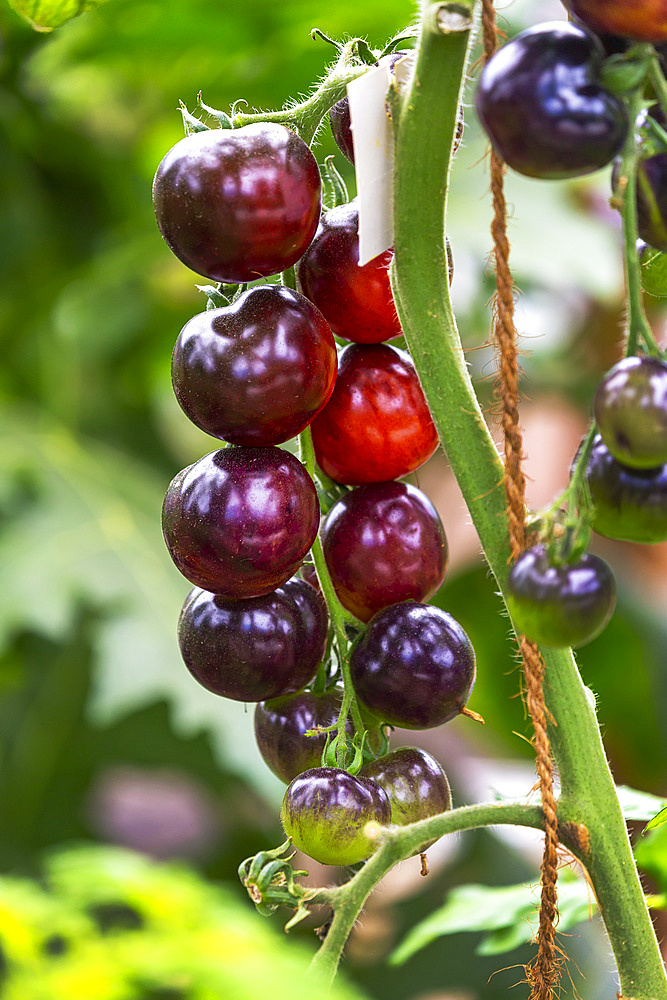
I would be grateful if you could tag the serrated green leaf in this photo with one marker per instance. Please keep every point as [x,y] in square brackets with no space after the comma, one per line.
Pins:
[48,14]
[507,913]
[638,805]
[657,820]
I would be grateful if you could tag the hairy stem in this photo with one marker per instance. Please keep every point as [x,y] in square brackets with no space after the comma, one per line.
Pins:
[397,844]
[337,613]
[307,115]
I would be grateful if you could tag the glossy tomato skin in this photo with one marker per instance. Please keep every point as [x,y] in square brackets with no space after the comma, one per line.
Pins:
[642,20]
[356,301]
[325,811]
[630,504]
[415,784]
[253,649]
[377,424]
[630,408]
[560,605]
[543,107]
[238,204]
[341,127]
[414,666]
[239,522]
[384,543]
[255,372]
[281,725]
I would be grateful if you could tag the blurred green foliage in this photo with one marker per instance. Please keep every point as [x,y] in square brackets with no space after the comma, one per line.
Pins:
[111,925]
[98,717]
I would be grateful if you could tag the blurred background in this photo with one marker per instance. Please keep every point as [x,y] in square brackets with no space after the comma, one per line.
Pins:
[105,738]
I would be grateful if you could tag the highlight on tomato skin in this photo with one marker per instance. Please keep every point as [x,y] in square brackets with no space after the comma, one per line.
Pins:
[377,425]
[240,521]
[384,543]
[266,225]
[541,102]
[325,811]
[256,372]
[414,666]
[254,649]
[630,408]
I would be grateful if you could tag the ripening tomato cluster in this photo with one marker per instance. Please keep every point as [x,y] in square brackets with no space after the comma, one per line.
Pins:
[237,205]
[546,109]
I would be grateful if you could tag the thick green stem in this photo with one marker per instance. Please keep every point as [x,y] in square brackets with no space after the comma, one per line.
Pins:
[425,121]
[399,843]
[307,115]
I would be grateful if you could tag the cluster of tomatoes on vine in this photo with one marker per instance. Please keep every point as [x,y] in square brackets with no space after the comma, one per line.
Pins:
[257,369]
[556,102]
[261,367]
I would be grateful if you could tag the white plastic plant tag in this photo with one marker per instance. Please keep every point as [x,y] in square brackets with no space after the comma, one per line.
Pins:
[373,160]
[374,155]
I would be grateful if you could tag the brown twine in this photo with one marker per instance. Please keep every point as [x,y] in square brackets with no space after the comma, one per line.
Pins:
[543,972]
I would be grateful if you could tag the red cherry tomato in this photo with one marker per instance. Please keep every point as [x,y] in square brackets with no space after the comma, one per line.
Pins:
[356,301]
[377,424]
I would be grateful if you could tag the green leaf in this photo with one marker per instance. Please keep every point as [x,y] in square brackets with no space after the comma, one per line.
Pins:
[637,805]
[657,820]
[80,524]
[189,939]
[48,14]
[653,271]
[507,913]
[651,855]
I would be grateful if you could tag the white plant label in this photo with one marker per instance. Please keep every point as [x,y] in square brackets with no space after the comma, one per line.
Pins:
[374,156]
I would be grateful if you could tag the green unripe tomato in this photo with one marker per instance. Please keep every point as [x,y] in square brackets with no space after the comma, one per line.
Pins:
[630,409]
[560,605]
[325,811]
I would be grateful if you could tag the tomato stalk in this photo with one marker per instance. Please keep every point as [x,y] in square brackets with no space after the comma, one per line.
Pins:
[339,616]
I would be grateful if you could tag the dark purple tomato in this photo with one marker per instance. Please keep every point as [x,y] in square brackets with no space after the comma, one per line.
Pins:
[253,649]
[377,424]
[256,372]
[384,543]
[560,605]
[652,200]
[325,811]
[238,204]
[630,408]
[356,301]
[542,104]
[415,784]
[341,127]
[281,725]
[414,666]
[643,20]
[630,504]
[239,522]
